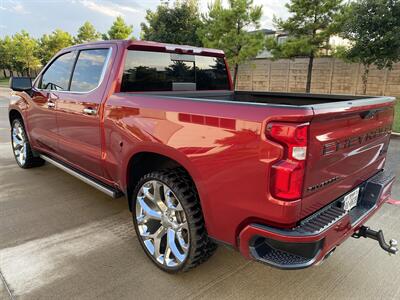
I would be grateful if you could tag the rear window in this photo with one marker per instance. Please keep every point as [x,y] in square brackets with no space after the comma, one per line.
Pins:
[158,71]
[88,70]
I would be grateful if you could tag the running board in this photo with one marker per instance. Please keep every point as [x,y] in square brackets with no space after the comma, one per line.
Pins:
[97,185]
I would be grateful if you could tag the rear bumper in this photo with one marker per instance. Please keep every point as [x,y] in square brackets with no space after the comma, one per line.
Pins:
[318,235]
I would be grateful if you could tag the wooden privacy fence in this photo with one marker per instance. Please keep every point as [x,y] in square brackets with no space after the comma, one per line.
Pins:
[330,76]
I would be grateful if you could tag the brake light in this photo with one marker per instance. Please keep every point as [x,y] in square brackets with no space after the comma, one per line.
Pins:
[287,174]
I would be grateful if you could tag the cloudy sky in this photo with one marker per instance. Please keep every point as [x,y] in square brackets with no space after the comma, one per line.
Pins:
[43,16]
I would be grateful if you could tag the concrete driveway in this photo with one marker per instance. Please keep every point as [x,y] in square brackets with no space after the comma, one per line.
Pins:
[61,239]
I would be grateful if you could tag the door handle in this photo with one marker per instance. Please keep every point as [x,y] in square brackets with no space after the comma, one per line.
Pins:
[89,111]
[51,104]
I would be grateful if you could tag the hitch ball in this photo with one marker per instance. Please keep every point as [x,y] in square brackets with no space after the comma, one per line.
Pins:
[366,232]
[393,246]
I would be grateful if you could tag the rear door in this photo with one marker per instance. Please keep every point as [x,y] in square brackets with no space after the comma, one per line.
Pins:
[79,113]
[348,144]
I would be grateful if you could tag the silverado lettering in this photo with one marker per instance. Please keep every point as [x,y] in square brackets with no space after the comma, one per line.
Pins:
[332,147]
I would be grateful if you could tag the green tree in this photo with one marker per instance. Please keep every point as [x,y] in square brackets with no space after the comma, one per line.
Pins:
[87,33]
[24,51]
[2,61]
[373,27]
[227,28]
[50,44]
[6,55]
[119,30]
[311,24]
[176,24]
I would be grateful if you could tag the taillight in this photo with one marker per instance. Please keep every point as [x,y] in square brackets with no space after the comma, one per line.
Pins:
[287,174]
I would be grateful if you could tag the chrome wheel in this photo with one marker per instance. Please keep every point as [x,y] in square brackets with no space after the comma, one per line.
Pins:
[162,224]
[19,143]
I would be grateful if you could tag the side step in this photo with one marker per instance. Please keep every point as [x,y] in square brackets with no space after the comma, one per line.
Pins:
[112,192]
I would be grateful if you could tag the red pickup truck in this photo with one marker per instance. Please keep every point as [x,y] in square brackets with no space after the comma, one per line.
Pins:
[284,178]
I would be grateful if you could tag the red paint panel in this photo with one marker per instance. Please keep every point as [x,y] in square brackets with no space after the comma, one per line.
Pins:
[345,146]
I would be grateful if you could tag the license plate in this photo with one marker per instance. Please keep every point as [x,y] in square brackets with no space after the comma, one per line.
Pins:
[350,200]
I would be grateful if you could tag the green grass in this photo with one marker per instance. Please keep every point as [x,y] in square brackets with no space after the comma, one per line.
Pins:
[4,82]
[396,125]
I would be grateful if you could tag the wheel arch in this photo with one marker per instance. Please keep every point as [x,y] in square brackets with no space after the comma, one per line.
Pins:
[143,162]
[14,114]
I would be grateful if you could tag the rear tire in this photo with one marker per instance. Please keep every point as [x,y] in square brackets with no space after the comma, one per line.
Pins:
[21,148]
[169,222]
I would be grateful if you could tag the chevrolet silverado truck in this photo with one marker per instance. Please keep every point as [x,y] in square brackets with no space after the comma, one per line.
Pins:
[283,178]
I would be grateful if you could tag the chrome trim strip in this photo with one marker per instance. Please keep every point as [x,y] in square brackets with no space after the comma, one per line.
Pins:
[105,66]
[108,191]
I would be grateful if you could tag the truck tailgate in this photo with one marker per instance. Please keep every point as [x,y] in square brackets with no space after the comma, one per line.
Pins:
[348,144]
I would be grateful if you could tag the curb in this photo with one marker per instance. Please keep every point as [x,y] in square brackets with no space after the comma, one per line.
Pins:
[395,135]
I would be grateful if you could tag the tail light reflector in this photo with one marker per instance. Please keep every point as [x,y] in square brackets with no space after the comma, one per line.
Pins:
[287,174]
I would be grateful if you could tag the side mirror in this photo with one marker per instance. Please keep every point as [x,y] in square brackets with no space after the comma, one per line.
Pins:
[21,84]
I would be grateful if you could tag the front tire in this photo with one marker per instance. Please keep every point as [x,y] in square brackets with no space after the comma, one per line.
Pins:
[169,222]
[21,148]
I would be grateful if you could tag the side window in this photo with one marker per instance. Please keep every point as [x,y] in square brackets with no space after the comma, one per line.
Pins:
[57,76]
[88,70]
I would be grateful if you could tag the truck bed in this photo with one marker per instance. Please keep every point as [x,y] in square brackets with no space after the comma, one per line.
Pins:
[348,135]
[292,99]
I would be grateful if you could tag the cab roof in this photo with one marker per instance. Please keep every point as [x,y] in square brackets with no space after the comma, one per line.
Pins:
[155,46]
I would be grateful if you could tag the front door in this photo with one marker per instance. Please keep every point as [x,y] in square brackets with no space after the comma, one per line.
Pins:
[41,116]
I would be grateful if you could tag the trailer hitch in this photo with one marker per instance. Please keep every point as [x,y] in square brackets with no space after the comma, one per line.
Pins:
[366,232]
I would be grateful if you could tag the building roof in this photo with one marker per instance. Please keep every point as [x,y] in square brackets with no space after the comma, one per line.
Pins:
[265,31]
